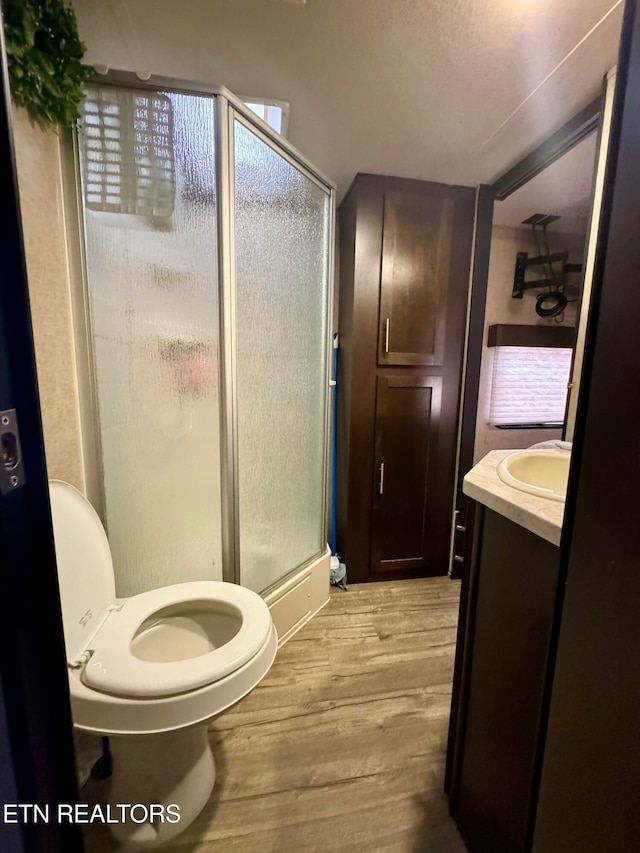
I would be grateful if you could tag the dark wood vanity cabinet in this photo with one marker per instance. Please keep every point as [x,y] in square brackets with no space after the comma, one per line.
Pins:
[405,250]
[496,736]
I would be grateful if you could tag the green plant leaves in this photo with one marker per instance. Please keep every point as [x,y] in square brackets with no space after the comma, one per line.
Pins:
[45,59]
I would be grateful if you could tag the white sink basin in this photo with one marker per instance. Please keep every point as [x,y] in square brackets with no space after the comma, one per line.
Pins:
[538,472]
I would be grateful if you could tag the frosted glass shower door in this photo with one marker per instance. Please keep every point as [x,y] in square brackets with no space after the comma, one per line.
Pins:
[148,181]
[282,233]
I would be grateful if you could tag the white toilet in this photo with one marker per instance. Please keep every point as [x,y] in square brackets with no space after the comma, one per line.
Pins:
[152,670]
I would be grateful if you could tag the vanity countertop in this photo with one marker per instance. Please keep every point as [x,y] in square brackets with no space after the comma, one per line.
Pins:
[539,515]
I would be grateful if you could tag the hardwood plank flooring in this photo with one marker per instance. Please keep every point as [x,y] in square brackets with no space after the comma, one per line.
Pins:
[342,746]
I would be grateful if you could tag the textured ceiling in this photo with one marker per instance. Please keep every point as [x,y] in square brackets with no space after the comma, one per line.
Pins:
[563,189]
[446,90]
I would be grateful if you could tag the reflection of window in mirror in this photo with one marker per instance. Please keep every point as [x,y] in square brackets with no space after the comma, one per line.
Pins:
[529,387]
[275,113]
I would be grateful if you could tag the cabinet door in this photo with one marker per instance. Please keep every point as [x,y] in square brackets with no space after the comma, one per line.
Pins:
[405,502]
[503,672]
[414,282]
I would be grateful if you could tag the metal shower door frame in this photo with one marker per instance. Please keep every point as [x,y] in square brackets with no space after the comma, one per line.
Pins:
[227,108]
[263,132]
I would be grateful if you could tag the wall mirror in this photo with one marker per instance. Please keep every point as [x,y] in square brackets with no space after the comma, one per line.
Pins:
[545,220]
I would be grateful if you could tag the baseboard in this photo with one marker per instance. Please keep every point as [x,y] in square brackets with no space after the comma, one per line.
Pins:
[300,597]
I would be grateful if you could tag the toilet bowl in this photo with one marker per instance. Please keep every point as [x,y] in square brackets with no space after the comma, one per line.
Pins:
[151,671]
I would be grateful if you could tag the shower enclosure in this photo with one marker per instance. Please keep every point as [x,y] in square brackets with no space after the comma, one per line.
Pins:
[207,257]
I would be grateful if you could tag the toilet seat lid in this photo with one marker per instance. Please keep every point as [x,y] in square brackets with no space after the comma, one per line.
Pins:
[85,568]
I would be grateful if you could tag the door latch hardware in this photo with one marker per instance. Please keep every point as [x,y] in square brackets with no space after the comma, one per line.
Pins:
[11,467]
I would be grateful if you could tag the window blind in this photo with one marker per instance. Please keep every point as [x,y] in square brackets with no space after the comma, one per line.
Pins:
[128,151]
[529,385]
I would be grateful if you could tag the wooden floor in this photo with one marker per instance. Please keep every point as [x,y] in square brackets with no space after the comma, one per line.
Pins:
[341,748]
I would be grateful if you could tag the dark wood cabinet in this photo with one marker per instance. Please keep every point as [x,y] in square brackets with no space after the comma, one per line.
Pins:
[414,281]
[496,733]
[401,536]
[405,251]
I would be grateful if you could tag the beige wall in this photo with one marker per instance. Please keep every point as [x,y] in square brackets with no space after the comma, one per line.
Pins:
[501,308]
[40,187]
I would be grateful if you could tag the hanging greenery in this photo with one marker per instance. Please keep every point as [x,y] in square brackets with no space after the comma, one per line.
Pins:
[45,59]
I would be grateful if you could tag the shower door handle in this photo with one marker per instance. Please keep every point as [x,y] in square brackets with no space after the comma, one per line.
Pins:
[381,480]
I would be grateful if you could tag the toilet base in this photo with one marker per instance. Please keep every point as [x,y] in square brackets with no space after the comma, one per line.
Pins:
[170,769]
